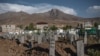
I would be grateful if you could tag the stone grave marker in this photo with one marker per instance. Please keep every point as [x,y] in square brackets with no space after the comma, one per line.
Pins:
[52,45]
[85,38]
[76,36]
[80,48]
[22,39]
[71,38]
[36,37]
[39,38]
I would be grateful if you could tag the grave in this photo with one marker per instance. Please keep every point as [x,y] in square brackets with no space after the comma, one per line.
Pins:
[36,37]
[72,38]
[80,48]
[39,38]
[52,45]
[76,36]
[85,38]
[21,39]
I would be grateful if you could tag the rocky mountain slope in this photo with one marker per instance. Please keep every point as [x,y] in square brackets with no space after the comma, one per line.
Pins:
[53,16]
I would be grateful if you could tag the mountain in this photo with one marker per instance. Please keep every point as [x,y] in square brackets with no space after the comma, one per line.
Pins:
[53,16]
[13,17]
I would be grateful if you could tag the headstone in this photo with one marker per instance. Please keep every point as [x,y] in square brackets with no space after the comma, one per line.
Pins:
[85,38]
[9,36]
[39,39]
[80,48]
[48,36]
[72,38]
[52,45]
[56,37]
[76,36]
[32,37]
[43,37]
[36,37]
[16,36]
[99,27]
[21,39]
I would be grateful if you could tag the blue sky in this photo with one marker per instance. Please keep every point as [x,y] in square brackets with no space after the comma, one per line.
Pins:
[82,8]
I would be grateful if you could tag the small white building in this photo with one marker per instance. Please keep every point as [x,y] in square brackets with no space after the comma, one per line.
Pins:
[12,29]
[8,28]
[88,25]
[41,25]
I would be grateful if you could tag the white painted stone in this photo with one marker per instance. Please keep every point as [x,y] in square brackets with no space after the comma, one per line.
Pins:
[80,48]
[21,39]
[72,38]
[35,37]
[39,39]
[56,37]
[85,38]
[76,37]
[52,45]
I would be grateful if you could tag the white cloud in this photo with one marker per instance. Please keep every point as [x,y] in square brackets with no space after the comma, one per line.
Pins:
[37,8]
[94,11]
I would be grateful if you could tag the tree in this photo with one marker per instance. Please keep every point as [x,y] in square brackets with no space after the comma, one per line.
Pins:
[30,27]
[81,32]
[53,28]
[96,25]
[65,27]
[20,26]
[26,28]
[97,31]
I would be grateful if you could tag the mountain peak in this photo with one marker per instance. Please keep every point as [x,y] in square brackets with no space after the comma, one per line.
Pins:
[54,9]
[54,12]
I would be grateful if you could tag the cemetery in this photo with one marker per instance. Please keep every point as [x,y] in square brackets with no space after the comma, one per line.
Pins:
[53,41]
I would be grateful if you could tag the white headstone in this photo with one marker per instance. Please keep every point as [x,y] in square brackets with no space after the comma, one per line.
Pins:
[39,39]
[16,36]
[99,27]
[56,37]
[80,48]
[36,37]
[32,37]
[52,45]
[21,39]
[43,37]
[85,38]
[71,38]
[76,36]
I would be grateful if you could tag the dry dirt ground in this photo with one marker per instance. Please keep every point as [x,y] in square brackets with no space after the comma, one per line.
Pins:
[11,48]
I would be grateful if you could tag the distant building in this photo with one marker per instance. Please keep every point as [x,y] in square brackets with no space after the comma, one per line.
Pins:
[88,25]
[10,28]
[59,25]
[41,25]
